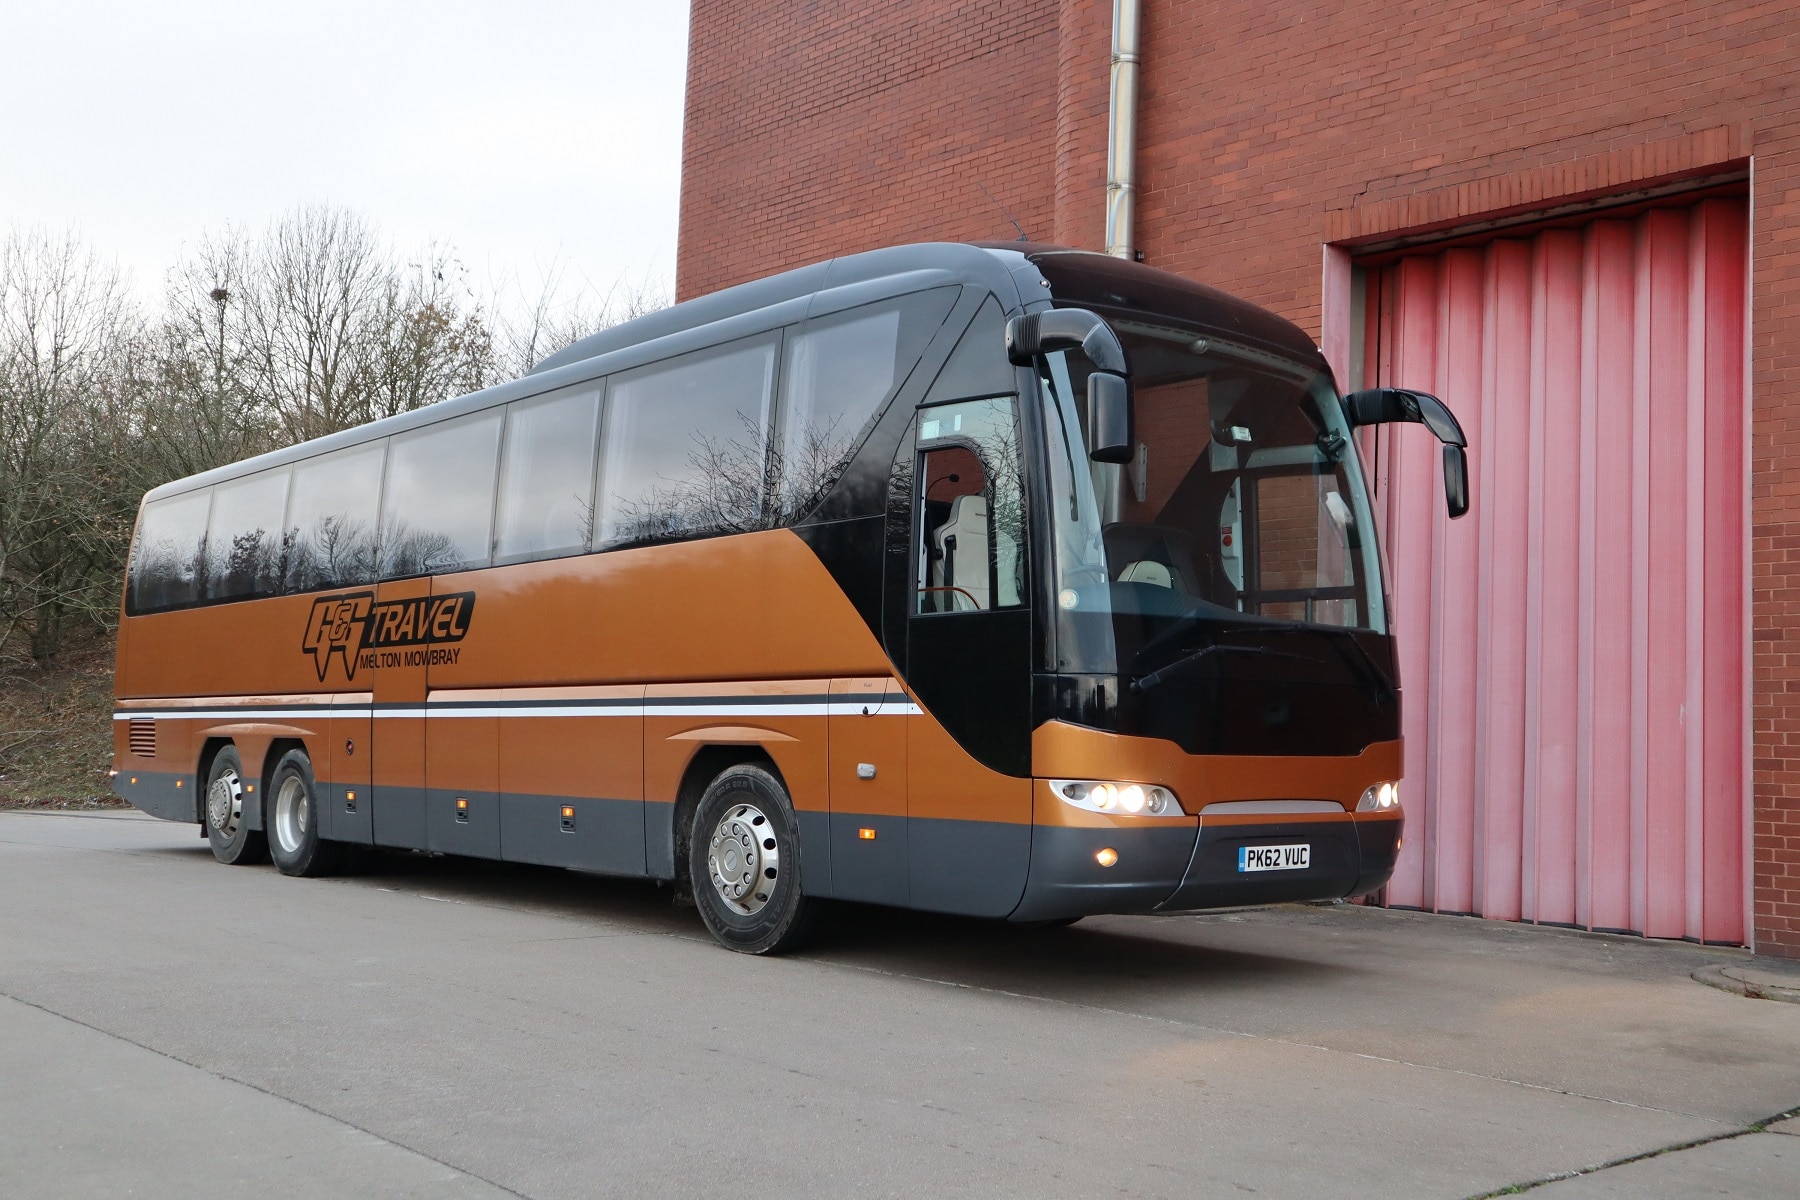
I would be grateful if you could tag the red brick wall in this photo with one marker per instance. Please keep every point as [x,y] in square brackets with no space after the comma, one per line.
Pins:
[817,129]
[1267,130]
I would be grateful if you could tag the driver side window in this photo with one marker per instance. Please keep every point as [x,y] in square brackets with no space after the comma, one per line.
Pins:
[971,517]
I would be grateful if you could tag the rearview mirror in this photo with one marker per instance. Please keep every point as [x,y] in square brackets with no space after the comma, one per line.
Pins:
[1382,406]
[1109,418]
[1456,480]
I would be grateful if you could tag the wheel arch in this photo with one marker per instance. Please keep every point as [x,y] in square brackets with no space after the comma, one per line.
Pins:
[707,764]
[209,750]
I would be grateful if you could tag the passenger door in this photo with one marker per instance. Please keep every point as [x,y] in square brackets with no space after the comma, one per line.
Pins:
[968,661]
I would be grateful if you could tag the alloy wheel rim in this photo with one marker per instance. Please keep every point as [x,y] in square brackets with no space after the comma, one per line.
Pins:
[744,859]
[292,812]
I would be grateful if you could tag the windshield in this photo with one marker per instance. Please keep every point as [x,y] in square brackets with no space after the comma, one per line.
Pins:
[1242,513]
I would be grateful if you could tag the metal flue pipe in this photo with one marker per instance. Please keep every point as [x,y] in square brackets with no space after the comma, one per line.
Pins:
[1121,131]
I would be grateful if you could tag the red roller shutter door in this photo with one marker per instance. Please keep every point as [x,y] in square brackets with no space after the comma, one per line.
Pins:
[1574,650]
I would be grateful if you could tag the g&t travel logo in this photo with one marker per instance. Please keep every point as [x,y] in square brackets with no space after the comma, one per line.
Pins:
[396,633]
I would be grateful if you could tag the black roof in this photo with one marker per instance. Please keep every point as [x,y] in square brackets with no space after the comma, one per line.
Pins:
[1022,274]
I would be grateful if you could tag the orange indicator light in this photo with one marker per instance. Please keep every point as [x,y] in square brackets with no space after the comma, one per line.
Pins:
[134,779]
[1107,856]
[461,804]
[568,810]
[866,834]
[178,783]
[349,795]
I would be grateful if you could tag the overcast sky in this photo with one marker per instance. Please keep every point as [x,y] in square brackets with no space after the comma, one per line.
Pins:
[523,134]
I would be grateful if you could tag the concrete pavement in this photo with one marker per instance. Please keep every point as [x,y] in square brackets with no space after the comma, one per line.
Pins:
[437,1027]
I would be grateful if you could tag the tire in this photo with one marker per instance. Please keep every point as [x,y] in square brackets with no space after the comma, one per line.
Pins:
[744,864]
[292,820]
[228,830]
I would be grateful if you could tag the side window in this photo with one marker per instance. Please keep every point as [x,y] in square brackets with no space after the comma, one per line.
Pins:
[978,366]
[330,534]
[686,445]
[168,563]
[437,513]
[244,537]
[547,478]
[837,372]
[971,523]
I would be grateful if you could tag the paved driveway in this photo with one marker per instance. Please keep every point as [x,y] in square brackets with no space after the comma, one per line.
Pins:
[437,1027]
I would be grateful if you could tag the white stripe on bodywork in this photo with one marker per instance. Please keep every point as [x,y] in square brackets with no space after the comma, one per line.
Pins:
[804,709]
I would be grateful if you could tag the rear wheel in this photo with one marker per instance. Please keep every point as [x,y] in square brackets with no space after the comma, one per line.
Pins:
[227,822]
[293,819]
[744,863]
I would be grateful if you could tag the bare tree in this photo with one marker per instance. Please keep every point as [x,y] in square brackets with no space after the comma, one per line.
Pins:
[533,323]
[199,413]
[66,334]
[312,326]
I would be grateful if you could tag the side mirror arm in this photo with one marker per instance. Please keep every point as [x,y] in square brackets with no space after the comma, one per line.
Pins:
[1382,406]
[1065,329]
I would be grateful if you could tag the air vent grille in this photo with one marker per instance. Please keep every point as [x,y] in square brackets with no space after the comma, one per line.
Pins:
[143,738]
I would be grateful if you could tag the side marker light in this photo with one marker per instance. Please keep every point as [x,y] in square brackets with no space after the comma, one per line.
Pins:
[178,782]
[568,810]
[866,834]
[1107,856]
[350,795]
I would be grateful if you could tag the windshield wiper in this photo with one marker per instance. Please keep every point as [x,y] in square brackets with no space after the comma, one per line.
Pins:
[1144,683]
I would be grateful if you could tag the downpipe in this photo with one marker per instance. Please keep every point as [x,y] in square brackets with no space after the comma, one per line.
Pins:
[1121,131]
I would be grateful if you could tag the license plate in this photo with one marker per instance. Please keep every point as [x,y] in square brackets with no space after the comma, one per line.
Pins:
[1274,858]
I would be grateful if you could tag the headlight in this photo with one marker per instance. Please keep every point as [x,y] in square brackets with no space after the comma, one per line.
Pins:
[1379,797]
[1132,799]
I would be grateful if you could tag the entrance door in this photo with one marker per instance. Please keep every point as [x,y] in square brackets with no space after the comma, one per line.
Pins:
[968,661]
[1573,651]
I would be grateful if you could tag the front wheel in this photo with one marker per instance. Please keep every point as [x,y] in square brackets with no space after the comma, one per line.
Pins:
[744,864]
[293,820]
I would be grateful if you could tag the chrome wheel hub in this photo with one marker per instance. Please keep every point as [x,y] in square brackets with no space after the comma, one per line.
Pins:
[744,859]
[225,804]
[293,812]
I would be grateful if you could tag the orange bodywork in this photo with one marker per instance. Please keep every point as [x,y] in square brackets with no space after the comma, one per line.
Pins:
[602,676]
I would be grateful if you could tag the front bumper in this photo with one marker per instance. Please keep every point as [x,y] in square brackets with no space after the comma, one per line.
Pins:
[1175,866]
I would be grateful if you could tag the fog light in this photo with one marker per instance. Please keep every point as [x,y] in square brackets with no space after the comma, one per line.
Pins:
[1107,856]
[1131,798]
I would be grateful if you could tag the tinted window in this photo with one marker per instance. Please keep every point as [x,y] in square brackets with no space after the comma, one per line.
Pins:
[978,366]
[971,508]
[437,513]
[547,481]
[837,372]
[244,537]
[168,564]
[331,518]
[686,444]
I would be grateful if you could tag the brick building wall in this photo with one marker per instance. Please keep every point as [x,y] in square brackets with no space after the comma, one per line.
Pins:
[1269,131]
